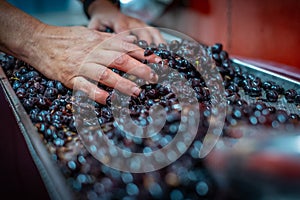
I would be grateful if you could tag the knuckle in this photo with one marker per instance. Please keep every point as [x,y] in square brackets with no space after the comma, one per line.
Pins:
[104,74]
[79,84]
[127,47]
[155,31]
[121,60]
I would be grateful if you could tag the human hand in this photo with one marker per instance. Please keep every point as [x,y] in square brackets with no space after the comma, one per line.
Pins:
[104,14]
[80,55]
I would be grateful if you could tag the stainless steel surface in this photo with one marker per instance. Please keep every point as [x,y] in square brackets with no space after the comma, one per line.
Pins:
[281,80]
[265,74]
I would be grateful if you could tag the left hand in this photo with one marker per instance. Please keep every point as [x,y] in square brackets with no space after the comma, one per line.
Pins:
[104,14]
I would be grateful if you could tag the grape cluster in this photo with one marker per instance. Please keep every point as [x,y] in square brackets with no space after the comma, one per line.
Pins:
[47,102]
[260,108]
[183,81]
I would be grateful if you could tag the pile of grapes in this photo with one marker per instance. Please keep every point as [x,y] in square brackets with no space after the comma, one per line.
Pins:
[184,65]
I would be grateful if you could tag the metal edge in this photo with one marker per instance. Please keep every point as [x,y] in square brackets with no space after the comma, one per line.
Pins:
[51,175]
[237,61]
[169,37]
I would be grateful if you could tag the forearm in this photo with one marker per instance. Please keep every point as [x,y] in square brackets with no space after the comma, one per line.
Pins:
[17,31]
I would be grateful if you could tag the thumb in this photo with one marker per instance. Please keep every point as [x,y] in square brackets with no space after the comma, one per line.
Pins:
[120,26]
[96,25]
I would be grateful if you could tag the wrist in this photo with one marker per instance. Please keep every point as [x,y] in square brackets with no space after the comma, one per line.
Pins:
[25,48]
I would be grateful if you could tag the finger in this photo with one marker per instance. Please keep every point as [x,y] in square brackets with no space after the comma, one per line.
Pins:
[124,37]
[123,62]
[127,64]
[156,35]
[150,34]
[130,38]
[121,26]
[96,25]
[143,34]
[120,45]
[107,77]
[95,93]
[139,55]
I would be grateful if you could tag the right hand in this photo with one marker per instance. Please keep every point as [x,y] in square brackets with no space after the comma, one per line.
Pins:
[104,14]
[77,55]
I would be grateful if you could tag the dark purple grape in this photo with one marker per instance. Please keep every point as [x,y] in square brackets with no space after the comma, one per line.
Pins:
[28,84]
[31,74]
[251,77]
[150,102]
[267,85]
[60,88]
[237,70]
[240,102]
[223,55]
[216,57]
[23,79]
[41,127]
[297,99]
[290,95]
[281,116]
[23,70]
[21,93]
[28,104]
[237,113]
[16,84]
[174,45]
[164,54]
[39,87]
[50,84]
[246,83]
[277,88]
[259,106]
[217,48]
[162,46]
[148,51]
[226,64]
[142,43]
[272,109]
[17,74]
[108,30]
[294,116]
[51,93]
[256,82]
[253,120]
[233,88]
[272,96]
[229,93]
[254,91]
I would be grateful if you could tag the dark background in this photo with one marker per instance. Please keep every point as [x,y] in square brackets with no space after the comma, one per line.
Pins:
[19,177]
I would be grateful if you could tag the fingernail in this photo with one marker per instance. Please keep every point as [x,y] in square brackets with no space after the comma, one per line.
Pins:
[131,38]
[135,90]
[153,77]
[157,60]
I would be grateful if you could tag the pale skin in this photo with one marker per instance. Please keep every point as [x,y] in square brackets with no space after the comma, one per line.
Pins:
[78,55]
[104,14]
